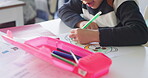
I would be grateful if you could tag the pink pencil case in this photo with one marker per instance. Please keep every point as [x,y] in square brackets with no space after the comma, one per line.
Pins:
[91,65]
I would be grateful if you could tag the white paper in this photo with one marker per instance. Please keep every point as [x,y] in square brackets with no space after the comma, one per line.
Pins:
[110,51]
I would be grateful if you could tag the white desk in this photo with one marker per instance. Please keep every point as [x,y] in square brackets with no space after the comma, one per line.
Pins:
[127,62]
[12,11]
[132,62]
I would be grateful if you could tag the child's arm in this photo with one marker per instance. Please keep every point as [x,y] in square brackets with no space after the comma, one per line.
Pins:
[70,13]
[131,31]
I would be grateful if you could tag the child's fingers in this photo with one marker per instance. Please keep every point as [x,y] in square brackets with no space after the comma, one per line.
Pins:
[72,35]
[89,27]
[94,27]
[75,39]
[72,31]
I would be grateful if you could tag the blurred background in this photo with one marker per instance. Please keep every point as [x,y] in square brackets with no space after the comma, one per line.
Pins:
[36,11]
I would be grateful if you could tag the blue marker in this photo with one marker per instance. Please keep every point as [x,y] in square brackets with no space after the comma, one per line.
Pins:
[65,55]
[67,52]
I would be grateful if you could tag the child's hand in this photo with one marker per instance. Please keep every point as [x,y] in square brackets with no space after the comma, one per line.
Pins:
[84,36]
[93,25]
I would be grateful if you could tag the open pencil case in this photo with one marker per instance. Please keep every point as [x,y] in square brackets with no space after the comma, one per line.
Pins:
[90,65]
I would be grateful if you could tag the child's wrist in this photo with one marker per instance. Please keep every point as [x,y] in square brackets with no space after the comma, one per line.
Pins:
[96,37]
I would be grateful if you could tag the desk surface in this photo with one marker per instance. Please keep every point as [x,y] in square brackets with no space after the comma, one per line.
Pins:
[128,62]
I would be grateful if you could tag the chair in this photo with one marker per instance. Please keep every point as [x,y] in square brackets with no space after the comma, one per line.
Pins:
[146,13]
[52,6]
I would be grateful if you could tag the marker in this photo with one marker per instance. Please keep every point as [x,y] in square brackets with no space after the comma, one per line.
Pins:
[67,52]
[63,50]
[65,55]
[63,59]
[76,60]
[90,21]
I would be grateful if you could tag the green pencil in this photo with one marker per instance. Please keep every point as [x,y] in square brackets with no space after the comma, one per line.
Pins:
[90,21]
[63,59]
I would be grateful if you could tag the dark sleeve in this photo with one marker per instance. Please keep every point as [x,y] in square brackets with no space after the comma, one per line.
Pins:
[70,13]
[131,31]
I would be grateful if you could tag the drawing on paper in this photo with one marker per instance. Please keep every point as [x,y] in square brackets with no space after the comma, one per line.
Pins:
[93,47]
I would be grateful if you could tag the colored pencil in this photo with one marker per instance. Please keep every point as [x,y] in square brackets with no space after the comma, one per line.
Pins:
[63,59]
[90,21]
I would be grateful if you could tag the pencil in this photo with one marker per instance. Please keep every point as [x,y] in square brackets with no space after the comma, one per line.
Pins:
[63,59]
[90,21]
